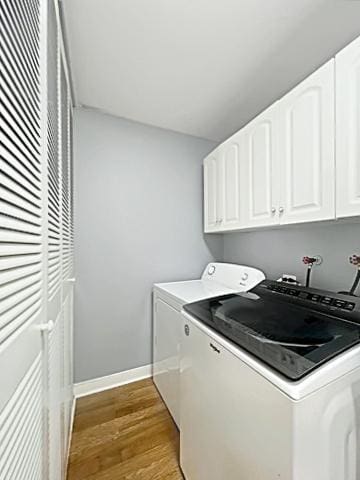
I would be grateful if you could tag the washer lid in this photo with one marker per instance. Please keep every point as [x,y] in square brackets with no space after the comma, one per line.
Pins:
[217,279]
[291,334]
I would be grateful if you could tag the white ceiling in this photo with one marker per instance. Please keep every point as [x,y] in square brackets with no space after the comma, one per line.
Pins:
[201,67]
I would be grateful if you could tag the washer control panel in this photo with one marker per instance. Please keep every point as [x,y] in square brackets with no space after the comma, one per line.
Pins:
[236,277]
[314,297]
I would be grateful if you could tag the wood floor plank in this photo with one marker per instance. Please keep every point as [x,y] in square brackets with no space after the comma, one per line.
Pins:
[124,434]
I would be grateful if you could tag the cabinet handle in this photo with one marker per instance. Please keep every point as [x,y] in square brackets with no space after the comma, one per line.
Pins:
[273,210]
[281,209]
[214,348]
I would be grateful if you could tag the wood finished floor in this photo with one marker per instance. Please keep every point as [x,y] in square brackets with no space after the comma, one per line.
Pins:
[124,434]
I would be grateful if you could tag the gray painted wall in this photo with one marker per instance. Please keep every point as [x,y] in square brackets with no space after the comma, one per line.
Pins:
[281,251]
[138,220]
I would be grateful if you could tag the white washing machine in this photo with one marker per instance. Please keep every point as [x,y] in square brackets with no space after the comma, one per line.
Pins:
[270,386]
[169,298]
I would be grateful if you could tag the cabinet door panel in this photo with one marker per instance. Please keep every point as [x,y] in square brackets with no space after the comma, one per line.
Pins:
[260,180]
[231,185]
[211,193]
[348,130]
[307,149]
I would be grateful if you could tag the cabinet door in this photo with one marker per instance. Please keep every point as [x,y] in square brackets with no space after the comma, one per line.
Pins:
[229,216]
[306,141]
[167,331]
[348,130]
[212,192]
[260,179]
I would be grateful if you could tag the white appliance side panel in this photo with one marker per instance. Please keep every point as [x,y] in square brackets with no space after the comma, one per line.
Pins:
[230,416]
[166,368]
[327,432]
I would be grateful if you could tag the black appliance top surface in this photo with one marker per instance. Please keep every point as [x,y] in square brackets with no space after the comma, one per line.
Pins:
[292,329]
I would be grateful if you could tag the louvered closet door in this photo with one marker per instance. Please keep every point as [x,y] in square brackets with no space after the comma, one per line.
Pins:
[66,187]
[54,354]
[68,306]
[68,290]
[67,258]
[68,391]
[21,240]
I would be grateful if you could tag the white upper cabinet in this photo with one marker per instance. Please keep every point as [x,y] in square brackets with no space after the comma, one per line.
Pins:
[348,130]
[306,155]
[259,180]
[298,161]
[230,154]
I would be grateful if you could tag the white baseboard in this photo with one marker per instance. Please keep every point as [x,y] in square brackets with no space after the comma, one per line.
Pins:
[111,381]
